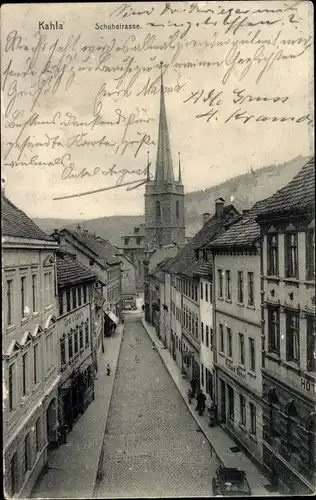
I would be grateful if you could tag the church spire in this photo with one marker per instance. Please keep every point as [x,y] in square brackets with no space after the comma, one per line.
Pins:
[164,167]
[180,176]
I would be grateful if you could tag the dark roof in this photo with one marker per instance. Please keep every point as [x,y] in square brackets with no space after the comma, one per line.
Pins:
[202,269]
[297,196]
[103,251]
[70,271]
[17,224]
[185,261]
[243,232]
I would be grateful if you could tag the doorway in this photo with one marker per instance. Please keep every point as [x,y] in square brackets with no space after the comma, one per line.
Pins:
[51,421]
[223,401]
[14,474]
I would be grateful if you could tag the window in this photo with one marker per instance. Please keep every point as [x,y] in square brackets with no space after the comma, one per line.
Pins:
[126,240]
[11,386]
[212,339]
[34,292]
[228,286]
[62,352]
[61,304]
[138,240]
[273,255]
[202,332]
[250,290]
[291,255]
[68,300]
[242,404]
[35,374]
[87,333]
[311,344]
[24,372]
[38,435]
[206,292]
[27,453]
[48,278]
[229,343]
[70,345]
[292,336]
[84,294]
[241,349]
[221,338]
[23,291]
[240,287]
[230,402]
[274,330]
[252,419]
[202,286]
[79,296]
[207,335]
[158,210]
[177,210]
[252,355]
[220,282]
[74,298]
[310,255]
[81,337]
[9,301]
[76,340]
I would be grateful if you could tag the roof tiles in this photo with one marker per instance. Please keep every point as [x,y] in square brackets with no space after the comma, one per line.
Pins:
[70,271]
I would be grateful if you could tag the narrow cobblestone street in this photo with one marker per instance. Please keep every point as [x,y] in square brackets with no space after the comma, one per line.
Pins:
[152,445]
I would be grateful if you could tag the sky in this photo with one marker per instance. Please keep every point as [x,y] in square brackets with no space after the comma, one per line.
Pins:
[80,97]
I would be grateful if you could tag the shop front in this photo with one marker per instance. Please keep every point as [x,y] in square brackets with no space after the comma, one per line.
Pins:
[110,323]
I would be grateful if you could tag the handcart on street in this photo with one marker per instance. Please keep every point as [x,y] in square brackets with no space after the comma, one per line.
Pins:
[230,482]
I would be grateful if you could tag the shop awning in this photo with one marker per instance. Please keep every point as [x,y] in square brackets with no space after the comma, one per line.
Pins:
[112,317]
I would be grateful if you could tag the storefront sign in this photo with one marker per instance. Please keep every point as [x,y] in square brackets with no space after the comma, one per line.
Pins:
[77,317]
[307,386]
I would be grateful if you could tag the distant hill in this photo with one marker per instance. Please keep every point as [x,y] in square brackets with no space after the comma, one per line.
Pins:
[245,189]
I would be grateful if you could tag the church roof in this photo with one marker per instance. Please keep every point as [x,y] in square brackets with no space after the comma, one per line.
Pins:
[164,167]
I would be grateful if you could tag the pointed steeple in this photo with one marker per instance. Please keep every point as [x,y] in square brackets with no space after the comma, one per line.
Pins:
[180,176]
[164,167]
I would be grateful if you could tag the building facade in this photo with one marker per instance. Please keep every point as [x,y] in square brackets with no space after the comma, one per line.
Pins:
[129,284]
[288,313]
[29,349]
[133,246]
[237,319]
[78,335]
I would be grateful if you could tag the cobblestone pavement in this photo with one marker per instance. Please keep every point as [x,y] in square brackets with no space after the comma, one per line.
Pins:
[152,446]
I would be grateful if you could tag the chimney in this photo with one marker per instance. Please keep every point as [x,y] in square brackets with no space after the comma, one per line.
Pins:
[219,206]
[206,218]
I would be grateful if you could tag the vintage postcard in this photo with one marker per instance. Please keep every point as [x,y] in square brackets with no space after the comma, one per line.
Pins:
[158,249]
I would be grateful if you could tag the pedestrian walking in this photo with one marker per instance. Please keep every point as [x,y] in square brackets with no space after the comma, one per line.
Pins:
[108,369]
[193,384]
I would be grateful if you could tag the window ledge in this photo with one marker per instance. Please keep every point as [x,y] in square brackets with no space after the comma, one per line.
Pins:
[252,373]
[242,367]
[253,437]
[34,314]
[221,353]
[37,386]
[273,355]
[243,427]
[292,365]
[310,375]
[291,281]
[24,320]
[220,298]
[228,300]
[10,328]
[251,306]
[240,304]
[273,279]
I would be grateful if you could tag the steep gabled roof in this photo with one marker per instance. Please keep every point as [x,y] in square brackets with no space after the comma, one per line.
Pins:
[17,224]
[70,271]
[242,233]
[103,251]
[297,196]
[184,262]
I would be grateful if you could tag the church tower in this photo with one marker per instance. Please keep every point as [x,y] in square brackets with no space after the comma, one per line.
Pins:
[164,196]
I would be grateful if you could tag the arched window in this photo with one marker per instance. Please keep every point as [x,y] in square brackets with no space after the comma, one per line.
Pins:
[158,210]
[177,210]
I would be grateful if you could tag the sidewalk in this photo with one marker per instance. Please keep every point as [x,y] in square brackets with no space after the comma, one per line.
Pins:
[218,439]
[73,466]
